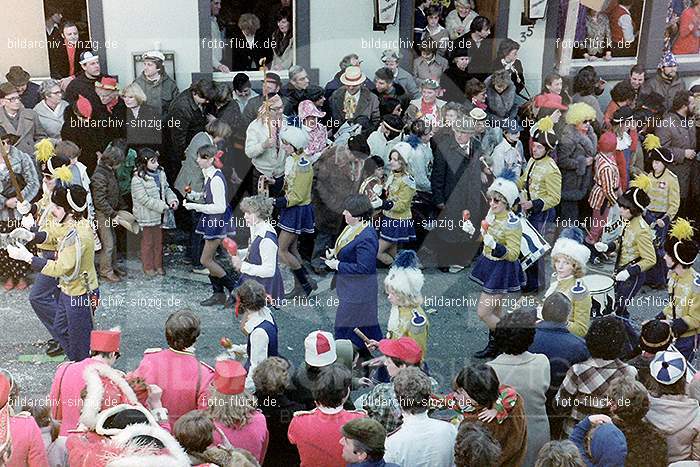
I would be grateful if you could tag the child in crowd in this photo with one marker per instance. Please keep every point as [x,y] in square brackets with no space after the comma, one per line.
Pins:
[600,443]
[397,221]
[403,286]
[569,259]
[296,211]
[260,261]
[498,270]
[152,197]
[664,202]
[216,223]
[635,253]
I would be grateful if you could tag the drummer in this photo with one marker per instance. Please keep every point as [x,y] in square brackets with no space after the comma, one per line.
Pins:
[635,248]
[569,259]
[683,309]
[540,186]
[665,199]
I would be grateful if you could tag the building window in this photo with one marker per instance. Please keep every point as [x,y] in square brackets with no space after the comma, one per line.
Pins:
[253,33]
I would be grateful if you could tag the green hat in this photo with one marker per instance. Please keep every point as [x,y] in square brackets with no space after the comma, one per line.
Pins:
[368,431]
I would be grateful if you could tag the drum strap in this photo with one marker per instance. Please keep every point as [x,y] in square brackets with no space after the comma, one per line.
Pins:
[527,180]
[673,300]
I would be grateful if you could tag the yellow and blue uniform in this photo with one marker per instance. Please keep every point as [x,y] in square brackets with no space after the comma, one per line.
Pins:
[74,267]
[541,184]
[664,196]
[397,222]
[581,302]
[43,296]
[636,255]
[683,309]
[297,214]
[403,327]
[498,269]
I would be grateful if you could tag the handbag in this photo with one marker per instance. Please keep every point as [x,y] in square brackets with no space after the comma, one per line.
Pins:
[168,221]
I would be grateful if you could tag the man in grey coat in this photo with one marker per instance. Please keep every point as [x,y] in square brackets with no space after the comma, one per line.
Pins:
[160,89]
[677,133]
[353,100]
[17,120]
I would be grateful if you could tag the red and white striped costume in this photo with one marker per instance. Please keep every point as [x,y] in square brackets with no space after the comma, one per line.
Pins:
[606,182]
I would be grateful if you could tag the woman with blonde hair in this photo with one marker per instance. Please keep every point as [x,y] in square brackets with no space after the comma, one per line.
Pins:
[237,421]
[143,122]
[576,153]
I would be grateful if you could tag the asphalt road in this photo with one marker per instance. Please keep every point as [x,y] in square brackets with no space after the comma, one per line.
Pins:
[140,306]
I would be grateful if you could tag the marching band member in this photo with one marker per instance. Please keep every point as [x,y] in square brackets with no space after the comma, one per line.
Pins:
[683,309]
[296,211]
[540,186]
[74,266]
[403,286]
[397,222]
[664,201]
[260,261]
[606,188]
[569,259]
[43,296]
[498,270]
[216,222]
[636,253]
[354,261]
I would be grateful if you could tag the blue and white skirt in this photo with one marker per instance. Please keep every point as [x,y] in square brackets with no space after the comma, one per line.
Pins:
[216,226]
[297,219]
[397,230]
[498,277]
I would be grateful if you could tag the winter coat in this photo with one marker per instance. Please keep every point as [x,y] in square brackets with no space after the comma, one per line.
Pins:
[145,129]
[678,418]
[28,129]
[24,167]
[89,140]
[188,119]
[367,106]
[501,105]
[150,200]
[332,185]
[51,121]
[278,410]
[159,94]
[454,81]
[190,173]
[456,183]
[667,89]
[408,82]
[420,164]
[572,151]
[105,191]
[645,444]
[608,447]
[529,375]
[678,134]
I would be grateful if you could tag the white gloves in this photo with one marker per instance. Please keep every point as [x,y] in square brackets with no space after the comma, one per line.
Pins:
[489,241]
[21,235]
[190,206]
[330,254]
[377,189]
[194,195]
[601,247]
[622,275]
[332,263]
[28,221]
[377,203]
[20,253]
[468,227]
[24,207]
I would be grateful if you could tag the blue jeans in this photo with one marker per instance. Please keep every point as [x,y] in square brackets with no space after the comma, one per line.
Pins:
[43,297]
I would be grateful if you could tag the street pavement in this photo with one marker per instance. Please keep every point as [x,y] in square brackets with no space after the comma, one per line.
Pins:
[140,306]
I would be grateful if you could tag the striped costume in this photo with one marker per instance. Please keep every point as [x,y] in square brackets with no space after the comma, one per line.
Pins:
[603,194]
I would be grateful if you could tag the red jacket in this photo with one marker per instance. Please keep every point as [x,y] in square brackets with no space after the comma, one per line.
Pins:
[27,446]
[687,42]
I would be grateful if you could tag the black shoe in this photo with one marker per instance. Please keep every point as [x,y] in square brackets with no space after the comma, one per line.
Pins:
[51,342]
[217,298]
[490,351]
[444,269]
[309,287]
[54,350]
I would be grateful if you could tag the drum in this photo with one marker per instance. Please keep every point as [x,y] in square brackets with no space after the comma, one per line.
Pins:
[532,245]
[602,290]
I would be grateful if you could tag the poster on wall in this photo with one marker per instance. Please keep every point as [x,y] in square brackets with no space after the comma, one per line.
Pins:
[537,8]
[385,12]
